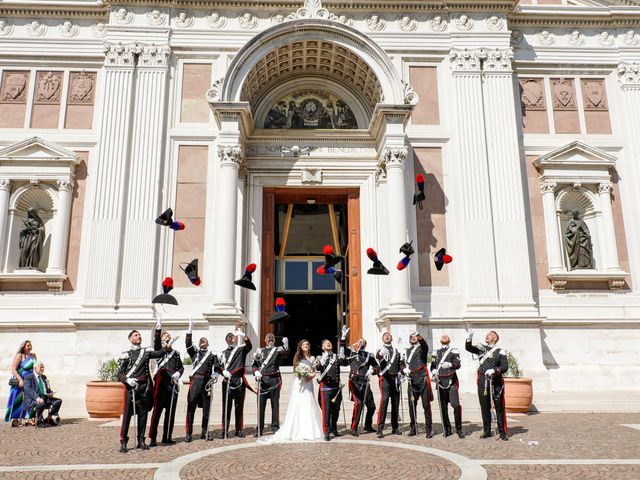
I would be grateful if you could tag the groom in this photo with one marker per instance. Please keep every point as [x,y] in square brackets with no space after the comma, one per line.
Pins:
[330,391]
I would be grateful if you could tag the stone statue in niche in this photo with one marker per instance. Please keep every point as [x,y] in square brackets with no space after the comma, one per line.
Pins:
[577,239]
[307,109]
[31,240]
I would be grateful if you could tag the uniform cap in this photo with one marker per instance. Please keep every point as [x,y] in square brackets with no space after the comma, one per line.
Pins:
[191,270]
[245,281]
[419,196]
[167,285]
[165,298]
[407,249]
[280,315]
[330,258]
[378,268]
[441,258]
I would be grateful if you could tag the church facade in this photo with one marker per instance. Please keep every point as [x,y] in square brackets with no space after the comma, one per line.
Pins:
[258,120]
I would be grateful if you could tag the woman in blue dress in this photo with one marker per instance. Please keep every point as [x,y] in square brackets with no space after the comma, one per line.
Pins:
[22,366]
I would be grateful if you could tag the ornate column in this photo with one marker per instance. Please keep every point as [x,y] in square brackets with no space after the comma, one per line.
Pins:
[478,258]
[106,236]
[554,247]
[505,179]
[5,194]
[140,258]
[610,250]
[60,237]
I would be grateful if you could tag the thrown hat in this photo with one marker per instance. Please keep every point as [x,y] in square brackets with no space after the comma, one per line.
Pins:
[441,258]
[191,270]
[245,281]
[338,275]
[167,285]
[281,315]
[407,251]
[378,268]
[419,196]
[330,258]
[166,220]
[164,297]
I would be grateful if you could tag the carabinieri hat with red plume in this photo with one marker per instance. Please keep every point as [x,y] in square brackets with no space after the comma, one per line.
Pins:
[280,315]
[419,196]
[245,281]
[164,297]
[166,220]
[378,268]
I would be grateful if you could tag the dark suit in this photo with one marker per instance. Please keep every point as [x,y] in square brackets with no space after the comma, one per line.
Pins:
[32,393]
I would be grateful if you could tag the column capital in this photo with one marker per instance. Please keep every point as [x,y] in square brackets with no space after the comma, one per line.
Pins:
[629,74]
[547,187]
[5,184]
[154,56]
[605,188]
[65,184]
[498,60]
[394,156]
[119,55]
[214,94]
[466,60]
[230,155]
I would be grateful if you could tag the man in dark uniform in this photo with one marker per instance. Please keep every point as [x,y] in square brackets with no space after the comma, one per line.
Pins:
[329,391]
[133,372]
[493,364]
[390,364]
[201,382]
[233,360]
[445,362]
[167,375]
[419,383]
[266,370]
[362,365]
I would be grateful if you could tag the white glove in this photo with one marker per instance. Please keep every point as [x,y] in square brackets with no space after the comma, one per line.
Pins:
[226,374]
[490,372]
[158,320]
[406,371]
[345,331]
[470,334]
[175,377]
[215,376]
[446,365]
[369,373]
[132,382]
[257,374]
[190,330]
[239,333]
[285,343]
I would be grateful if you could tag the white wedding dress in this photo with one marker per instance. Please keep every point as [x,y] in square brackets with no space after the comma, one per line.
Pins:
[303,420]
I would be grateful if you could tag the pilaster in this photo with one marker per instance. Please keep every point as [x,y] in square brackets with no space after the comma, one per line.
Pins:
[60,237]
[5,194]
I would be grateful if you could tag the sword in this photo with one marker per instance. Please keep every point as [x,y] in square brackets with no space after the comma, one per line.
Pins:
[440,404]
[258,407]
[344,412]
[225,427]
[364,402]
[494,414]
[210,391]
[173,392]
[412,403]
[135,414]
[401,404]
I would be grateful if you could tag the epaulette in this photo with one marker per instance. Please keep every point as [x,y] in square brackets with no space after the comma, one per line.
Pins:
[502,351]
[124,356]
[455,350]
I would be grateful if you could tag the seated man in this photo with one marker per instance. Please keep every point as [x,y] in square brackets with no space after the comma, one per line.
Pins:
[39,395]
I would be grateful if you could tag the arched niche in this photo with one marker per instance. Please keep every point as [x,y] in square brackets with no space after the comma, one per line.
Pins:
[584,201]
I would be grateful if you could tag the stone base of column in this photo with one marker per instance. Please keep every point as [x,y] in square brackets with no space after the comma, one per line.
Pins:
[222,323]
[134,315]
[501,311]
[400,321]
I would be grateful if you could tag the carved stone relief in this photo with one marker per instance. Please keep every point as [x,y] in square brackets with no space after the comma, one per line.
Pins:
[6,27]
[183,19]
[593,94]
[407,23]
[277,18]
[629,74]
[156,17]
[376,22]
[563,94]
[48,87]
[123,16]
[14,87]
[438,23]
[466,60]
[311,176]
[35,28]
[68,29]
[99,30]
[217,20]
[342,18]
[545,37]
[495,23]
[516,37]
[576,38]
[464,22]
[631,38]
[248,20]
[533,93]
[606,39]
[310,109]
[498,60]
[82,86]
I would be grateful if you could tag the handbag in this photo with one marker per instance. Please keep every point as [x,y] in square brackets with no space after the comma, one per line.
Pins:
[13,381]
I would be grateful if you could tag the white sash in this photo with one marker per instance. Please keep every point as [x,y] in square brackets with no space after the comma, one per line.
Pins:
[266,360]
[136,363]
[227,362]
[415,347]
[444,357]
[328,367]
[161,364]
[487,356]
[389,363]
[197,365]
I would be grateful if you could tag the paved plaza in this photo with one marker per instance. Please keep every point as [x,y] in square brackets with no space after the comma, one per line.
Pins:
[546,446]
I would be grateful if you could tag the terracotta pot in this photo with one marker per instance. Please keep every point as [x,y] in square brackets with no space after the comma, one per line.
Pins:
[518,394]
[104,399]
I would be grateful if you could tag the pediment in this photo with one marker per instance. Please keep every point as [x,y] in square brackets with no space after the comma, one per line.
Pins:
[37,150]
[575,155]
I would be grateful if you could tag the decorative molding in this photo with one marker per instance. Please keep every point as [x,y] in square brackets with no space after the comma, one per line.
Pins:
[563,94]
[495,23]
[82,88]
[68,29]
[545,37]
[376,22]
[467,60]
[605,187]
[311,9]
[248,20]
[277,18]
[394,156]
[629,74]
[311,176]
[410,95]
[547,187]
[65,184]
[183,19]
[122,16]
[594,94]
[215,92]
[438,23]
[99,30]
[55,285]
[6,27]
[35,28]
[14,87]
[576,38]
[154,56]
[5,184]
[606,39]
[498,60]
[407,23]
[631,38]
[119,55]
[230,154]
[156,17]
[532,96]
[218,20]
[464,22]
[343,19]
[48,88]
[516,37]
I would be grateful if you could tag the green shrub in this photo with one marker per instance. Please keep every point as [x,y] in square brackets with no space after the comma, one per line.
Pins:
[514,367]
[108,370]
[187,360]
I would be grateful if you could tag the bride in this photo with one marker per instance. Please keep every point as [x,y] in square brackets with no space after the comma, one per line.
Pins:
[303,420]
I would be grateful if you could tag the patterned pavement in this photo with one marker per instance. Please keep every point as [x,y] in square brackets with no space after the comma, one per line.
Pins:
[542,447]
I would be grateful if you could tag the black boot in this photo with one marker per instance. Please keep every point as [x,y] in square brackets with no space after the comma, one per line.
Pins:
[447,432]
[379,434]
[123,447]
[412,433]
[203,436]
[429,433]
[153,443]
[460,434]
[168,441]
[336,433]
[487,435]
[188,438]
[354,433]
[327,437]
[504,437]
[141,445]
[240,434]
[369,430]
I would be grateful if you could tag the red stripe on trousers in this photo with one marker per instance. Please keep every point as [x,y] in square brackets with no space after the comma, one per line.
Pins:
[355,406]
[124,406]
[324,428]
[186,427]
[381,397]
[504,411]
[155,402]
[429,391]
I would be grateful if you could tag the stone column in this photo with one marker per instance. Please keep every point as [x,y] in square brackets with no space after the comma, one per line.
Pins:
[106,237]
[5,195]
[610,250]
[477,261]
[60,238]
[505,179]
[140,279]
[554,246]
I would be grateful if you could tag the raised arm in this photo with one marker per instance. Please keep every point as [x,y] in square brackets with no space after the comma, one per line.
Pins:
[424,349]
[188,341]
[470,347]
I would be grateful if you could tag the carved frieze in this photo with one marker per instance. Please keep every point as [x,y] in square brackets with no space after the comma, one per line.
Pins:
[36,28]
[48,87]
[495,23]
[563,94]
[68,29]
[438,23]
[466,60]
[594,94]
[376,22]
[407,23]
[629,74]
[154,56]
[576,38]
[516,37]
[498,60]
[217,20]
[463,22]
[99,30]
[343,19]
[156,17]
[532,93]
[229,154]
[248,20]
[277,18]
[606,39]
[122,16]
[119,55]
[545,37]
[183,19]
[394,155]
[6,27]
[82,86]
[631,38]
[311,176]
[14,87]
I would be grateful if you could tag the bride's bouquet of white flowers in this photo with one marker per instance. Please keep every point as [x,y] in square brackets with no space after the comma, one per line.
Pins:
[302,370]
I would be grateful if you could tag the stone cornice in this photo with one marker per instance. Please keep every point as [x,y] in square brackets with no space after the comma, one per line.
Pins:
[585,17]
[55,11]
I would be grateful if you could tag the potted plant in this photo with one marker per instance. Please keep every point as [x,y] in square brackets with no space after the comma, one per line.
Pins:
[105,397]
[518,390]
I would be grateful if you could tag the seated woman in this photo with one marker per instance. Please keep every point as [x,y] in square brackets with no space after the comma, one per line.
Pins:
[22,366]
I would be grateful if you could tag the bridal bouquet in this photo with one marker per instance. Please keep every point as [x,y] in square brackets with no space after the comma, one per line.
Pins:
[302,371]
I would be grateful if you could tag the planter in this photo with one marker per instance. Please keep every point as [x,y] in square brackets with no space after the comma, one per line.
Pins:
[518,394]
[104,399]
